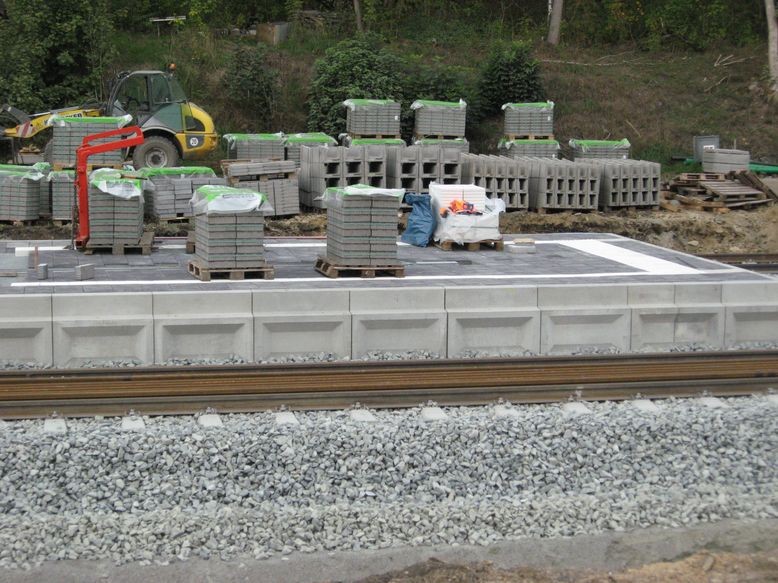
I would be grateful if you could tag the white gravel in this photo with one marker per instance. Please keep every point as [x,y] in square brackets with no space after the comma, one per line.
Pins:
[254,488]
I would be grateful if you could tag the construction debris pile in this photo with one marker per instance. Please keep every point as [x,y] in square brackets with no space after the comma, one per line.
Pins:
[115,209]
[715,192]
[362,225]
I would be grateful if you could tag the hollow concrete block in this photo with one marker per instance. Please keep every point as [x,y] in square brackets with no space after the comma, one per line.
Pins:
[217,325]
[102,327]
[751,312]
[398,320]
[301,322]
[26,329]
[501,319]
[577,317]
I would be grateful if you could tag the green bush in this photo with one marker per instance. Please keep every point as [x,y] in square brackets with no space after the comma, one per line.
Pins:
[252,83]
[357,69]
[510,75]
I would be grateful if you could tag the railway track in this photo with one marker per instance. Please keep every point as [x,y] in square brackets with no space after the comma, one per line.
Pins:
[169,390]
[762,262]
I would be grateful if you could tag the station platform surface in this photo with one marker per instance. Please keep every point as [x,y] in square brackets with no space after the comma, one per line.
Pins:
[569,258]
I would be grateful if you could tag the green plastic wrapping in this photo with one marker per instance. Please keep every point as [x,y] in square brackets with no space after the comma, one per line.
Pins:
[214,199]
[311,138]
[232,138]
[542,105]
[176,171]
[586,144]
[354,103]
[419,103]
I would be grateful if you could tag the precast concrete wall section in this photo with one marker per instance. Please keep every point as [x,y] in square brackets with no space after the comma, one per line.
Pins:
[71,330]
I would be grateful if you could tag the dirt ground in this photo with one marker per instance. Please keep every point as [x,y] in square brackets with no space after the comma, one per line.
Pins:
[702,567]
[689,231]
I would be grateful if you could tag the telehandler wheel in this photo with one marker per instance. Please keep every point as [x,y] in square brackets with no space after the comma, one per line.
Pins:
[155,152]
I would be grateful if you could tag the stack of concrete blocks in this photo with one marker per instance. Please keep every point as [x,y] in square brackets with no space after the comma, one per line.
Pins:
[292,144]
[629,183]
[725,161]
[69,134]
[230,241]
[536,148]
[114,220]
[278,181]
[375,166]
[44,202]
[255,146]
[63,195]
[529,119]
[702,143]
[19,196]
[600,149]
[459,144]
[501,177]
[372,117]
[362,228]
[562,184]
[170,193]
[416,167]
[439,118]
[402,168]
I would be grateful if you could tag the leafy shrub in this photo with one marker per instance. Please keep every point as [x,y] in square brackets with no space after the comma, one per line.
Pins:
[357,69]
[252,83]
[510,75]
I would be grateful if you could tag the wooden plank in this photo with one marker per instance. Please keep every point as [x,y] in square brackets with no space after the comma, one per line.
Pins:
[203,273]
[334,271]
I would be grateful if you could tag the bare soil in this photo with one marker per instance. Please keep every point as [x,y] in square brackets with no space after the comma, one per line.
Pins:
[701,567]
[689,231]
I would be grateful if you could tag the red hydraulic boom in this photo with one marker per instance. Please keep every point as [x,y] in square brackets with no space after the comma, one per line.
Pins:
[134,137]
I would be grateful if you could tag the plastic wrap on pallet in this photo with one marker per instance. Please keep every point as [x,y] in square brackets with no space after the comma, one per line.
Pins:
[42,167]
[353,104]
[311,138]
[471,228]
[231,139]
[349,141]
[26,172]
[62,121]
[176,171]
[419,103]
[460,144]
[214,200]
[332,194]
[112,182]
[603,148]
[544,106]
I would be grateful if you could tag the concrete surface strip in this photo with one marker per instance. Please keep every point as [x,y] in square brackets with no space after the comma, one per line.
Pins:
[608,551]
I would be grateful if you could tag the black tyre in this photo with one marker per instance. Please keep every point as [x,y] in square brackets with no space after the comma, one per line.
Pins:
[155,152]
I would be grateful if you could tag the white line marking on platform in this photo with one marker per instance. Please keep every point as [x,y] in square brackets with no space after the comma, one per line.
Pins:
[633,259]
[25,251]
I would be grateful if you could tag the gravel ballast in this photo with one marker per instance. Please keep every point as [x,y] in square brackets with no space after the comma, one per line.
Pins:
[254,488]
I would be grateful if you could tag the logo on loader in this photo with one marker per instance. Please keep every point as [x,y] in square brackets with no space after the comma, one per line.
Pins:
[195,141]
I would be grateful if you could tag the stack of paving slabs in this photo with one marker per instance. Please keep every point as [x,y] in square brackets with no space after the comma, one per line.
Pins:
[278,181]
[20,194]
[629,184]
[529,119]
[441,119]
[169,190]
[63,195]
[362,225]
[501,178]
[229,227]
[69,134]
[255,146]
[44,205]
[725,161]
[600,149]
[293,143]
[562,184]
[712,191]
[115,209]
[542,148]
[458,144]
[372,117]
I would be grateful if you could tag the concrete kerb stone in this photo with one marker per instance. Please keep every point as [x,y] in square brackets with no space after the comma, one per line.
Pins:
[577,317]
[497,319]
[102,327]
[26,329]
[216,325]
[295,322]
[750,312]
[700,317]
[398,320]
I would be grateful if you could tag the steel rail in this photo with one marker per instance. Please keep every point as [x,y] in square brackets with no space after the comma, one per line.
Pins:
[176,390]
[752,261]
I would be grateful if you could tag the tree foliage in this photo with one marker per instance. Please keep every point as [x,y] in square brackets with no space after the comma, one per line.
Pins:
[253,84]
[357,68]
[510,75]
[53,54]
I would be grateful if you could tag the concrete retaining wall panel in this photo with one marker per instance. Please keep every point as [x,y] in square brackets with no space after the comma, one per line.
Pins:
[751,312]
[573,296]
[301,322]
[568,331]
[102,327]
[499,320]
[651,294]
[26,330]
[398,320]
[193,325]
[697,293]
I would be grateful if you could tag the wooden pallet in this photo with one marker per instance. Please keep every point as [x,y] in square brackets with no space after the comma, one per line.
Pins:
[729,190]
[375,136]
[202,273]
[698,176]
[436,137]
[145,245]
[174,220]
[61,222]
[512,137]
[496,244]
[17,223]
[333,271]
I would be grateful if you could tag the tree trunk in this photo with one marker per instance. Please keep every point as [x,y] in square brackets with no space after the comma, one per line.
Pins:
[555,23]
[772,44]
[358,14]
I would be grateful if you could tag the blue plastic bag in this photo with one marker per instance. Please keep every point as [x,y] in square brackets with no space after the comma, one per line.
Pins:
[421,221]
